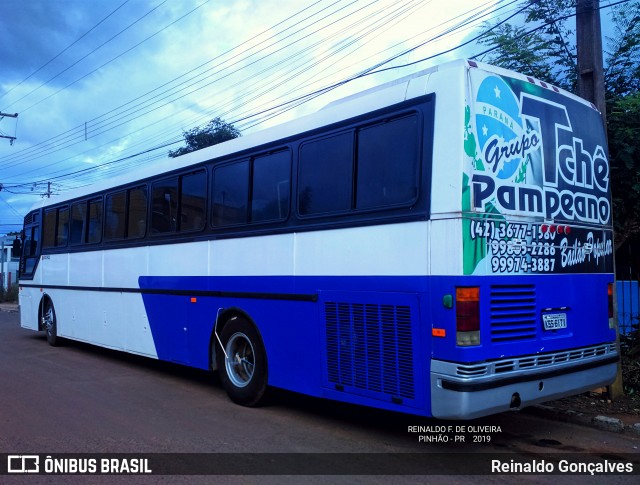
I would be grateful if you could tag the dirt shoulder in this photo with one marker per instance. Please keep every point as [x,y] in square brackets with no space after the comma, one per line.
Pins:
[624,408]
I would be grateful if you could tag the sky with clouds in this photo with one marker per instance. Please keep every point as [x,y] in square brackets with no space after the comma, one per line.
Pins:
[103,86]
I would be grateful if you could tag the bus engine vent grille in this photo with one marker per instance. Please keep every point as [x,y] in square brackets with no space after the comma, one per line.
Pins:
[370,348]
[513,313]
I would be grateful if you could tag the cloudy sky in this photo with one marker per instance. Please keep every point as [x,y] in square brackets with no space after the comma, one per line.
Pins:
[102,86]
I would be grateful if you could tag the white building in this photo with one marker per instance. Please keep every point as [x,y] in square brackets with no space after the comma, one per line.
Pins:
[8,262]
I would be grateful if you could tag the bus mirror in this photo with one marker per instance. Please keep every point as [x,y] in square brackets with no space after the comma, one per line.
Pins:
[17,247]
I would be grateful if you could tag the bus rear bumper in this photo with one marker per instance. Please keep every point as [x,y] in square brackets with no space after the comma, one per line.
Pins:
[466,391]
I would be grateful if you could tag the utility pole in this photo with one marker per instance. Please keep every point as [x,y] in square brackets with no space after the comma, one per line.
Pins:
[591,88]
[589,44]
[11,138]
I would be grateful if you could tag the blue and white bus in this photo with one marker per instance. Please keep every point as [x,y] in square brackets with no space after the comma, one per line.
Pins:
[439,245]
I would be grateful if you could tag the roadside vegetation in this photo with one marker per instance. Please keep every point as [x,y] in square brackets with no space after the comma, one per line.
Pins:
[630,350]
[9,295]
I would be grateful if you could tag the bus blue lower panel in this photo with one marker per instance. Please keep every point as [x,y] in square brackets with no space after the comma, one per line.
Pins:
[368,340]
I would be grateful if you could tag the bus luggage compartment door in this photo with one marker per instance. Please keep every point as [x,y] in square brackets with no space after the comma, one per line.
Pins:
[371,347]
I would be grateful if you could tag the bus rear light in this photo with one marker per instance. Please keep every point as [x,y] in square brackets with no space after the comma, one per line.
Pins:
[544,228]
[468,316]
[610,304]
[438,332]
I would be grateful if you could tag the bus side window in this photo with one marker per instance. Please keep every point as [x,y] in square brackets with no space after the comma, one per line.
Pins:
[95,221]
[50,217]
[31,242]
[30,251]
[271,182]
[63,227]
[78,222]
[86,222]
[164,195]
[56,227]
[193,201]
[115,216]
[230,194]
[326,175]
[388,163]
[137,213]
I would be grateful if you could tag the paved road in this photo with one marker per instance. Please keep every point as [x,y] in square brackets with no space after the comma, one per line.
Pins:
[82,399]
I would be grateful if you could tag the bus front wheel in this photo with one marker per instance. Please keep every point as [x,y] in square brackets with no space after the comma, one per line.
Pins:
[49,323]
[242,363]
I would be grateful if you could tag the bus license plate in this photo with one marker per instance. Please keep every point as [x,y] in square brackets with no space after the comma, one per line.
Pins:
[554,321]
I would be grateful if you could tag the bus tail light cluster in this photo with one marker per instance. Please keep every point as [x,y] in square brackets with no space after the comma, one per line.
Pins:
[610,305]
[468,316]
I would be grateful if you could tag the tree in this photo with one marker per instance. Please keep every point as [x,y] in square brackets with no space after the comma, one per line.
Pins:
[548,53]
[214,132]
[623,120]
[622,72]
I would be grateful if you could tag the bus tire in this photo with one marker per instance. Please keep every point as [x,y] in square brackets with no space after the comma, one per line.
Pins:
[242,363]
[49,323]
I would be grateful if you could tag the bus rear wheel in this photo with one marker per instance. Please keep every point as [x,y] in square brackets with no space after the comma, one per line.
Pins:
[242,363]
[49,323]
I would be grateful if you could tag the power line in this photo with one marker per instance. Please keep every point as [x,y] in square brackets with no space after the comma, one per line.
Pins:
[119,55]
[178,140]
[75,132]
[286,105]
[81,59]
[180,137]
[4,135]
[456,47]
[258,75]
[546,24]
[11,207]
[290,103]
[63,50]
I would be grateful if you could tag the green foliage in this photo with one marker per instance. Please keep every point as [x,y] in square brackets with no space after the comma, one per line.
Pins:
[630,351]
[546,53]
[623,126]
[622,81]
[10,295]
[622,72]
[214,132]
[542,46]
